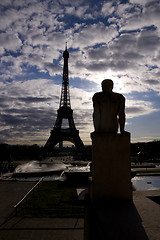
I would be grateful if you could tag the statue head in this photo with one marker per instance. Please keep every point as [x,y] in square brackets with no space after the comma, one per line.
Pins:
[107,85]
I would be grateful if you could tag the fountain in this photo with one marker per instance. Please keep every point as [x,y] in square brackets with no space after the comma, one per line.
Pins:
[78,174]
[38,169]
[55,169]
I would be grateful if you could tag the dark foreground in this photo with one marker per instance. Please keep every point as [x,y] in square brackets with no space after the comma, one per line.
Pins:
[40,227]
[13,227]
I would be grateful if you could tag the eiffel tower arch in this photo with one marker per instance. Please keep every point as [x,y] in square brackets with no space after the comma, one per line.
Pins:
[59,134]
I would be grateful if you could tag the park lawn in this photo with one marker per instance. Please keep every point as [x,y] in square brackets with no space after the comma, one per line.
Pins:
[53,199]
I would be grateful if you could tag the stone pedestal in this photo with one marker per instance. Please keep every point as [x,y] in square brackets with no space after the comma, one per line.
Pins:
[111,171]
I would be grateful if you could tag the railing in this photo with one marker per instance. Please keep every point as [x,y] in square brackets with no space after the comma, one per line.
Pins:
[28,193]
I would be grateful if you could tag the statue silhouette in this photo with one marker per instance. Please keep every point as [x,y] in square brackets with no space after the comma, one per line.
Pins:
[109,109]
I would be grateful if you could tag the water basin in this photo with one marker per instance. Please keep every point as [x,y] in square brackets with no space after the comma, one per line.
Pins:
[143,183]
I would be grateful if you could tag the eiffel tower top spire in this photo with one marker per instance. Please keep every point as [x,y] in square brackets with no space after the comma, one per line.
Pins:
[65,96]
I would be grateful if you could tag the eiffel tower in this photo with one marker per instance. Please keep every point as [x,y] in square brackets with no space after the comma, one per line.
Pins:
[58,134]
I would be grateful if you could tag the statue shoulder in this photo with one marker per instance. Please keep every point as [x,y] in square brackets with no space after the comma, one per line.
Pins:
[97,96]
[119,96]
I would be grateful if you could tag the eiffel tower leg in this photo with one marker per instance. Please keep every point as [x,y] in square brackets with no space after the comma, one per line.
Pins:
[71,122]
[53,140]
[77,140]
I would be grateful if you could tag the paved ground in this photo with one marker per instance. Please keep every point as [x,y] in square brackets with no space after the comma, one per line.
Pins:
[137,220]
[148,209]
[13,228]
[140,221]
[42,229]
[10,194]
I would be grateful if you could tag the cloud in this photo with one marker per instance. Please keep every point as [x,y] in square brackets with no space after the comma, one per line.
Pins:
[36,90]
[84,121]
[148,17]
[76,11]
[135,108]
[8,17]
[79,98]
[52,69]
[142,2]
[94,34]
[96,66]
[26,126]
[152,82]
[148,41]
[10,41]
[98,53]
[84,84]
[36,99]
[28,109]
[107,9]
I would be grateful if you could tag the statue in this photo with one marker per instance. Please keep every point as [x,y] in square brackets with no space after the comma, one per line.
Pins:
[109,109]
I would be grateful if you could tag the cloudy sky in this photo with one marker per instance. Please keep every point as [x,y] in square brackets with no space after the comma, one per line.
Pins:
[106,39]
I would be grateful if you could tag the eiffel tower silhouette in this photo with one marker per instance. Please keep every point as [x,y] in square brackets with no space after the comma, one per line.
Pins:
[59,134]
